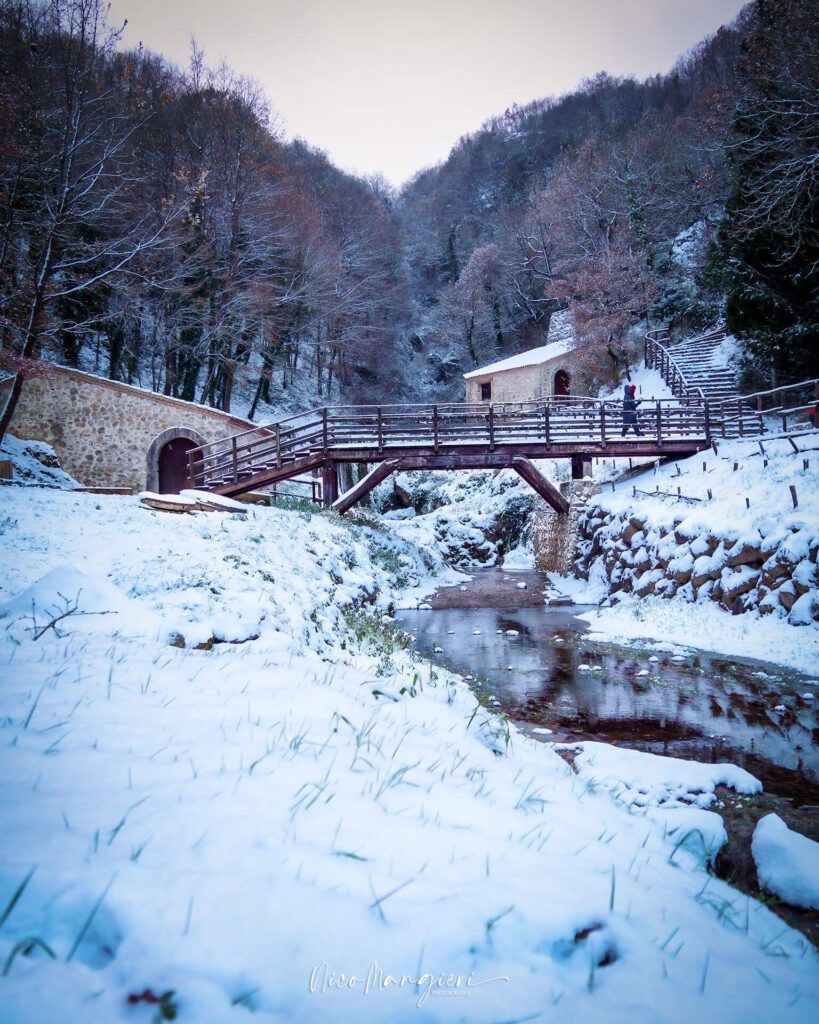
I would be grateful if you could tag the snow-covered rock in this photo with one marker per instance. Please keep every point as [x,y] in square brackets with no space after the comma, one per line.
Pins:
[468,518]
[644,779]
[35,462]
[787,863]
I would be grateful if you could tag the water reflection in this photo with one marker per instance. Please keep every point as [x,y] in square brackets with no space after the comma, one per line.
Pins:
[546,672]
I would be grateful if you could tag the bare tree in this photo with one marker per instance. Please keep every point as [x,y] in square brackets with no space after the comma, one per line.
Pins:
[74,218]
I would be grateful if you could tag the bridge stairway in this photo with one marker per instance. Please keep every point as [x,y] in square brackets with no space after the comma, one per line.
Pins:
[704,370]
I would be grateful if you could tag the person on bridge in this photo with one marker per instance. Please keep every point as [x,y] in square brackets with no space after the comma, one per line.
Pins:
[630,404]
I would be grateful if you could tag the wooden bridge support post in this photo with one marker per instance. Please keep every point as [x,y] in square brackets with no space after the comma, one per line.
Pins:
[532,475]
[329,483]
[364,486]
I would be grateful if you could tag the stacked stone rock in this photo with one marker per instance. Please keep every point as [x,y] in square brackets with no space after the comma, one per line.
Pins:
[555,537]
[774,574]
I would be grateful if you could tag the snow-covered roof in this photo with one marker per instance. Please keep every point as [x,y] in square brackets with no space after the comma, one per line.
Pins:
[533,357]
[561,339]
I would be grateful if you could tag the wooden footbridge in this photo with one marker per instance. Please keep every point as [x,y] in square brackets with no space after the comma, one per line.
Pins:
[450,437]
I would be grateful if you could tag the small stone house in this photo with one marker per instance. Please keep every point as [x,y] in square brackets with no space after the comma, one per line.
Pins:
[112,435]
[549,371]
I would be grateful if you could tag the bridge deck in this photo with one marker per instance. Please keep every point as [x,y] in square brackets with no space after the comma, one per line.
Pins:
[488,436]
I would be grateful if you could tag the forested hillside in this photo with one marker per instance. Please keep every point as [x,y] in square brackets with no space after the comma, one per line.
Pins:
[156,228]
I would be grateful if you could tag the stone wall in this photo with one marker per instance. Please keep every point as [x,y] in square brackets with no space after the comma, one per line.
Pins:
[521,385]
[108,434]
[774,574]
[527,383]
[554,536]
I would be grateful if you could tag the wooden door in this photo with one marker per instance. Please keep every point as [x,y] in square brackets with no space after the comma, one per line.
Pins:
[173,465]
[561,388]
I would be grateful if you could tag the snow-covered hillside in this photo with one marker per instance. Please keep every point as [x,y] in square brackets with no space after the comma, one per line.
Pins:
[681,546]
[223,832]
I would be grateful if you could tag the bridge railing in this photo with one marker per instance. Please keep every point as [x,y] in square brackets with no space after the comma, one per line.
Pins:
[789,403]
[373,430]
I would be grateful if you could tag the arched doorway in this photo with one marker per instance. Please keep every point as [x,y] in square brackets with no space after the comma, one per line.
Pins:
[173,465]
[561,384]
[168,459]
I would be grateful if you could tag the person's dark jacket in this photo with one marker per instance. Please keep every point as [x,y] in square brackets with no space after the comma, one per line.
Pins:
[630,404]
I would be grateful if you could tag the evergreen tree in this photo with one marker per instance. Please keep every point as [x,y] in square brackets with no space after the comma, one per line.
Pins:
[768,246]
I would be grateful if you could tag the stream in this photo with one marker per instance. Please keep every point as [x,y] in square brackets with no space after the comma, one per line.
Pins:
[536,663]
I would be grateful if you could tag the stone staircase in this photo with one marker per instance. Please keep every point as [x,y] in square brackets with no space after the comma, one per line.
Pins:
[699,362]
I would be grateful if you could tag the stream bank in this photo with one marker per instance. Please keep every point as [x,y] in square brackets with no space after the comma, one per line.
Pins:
[535,662]
[529,655]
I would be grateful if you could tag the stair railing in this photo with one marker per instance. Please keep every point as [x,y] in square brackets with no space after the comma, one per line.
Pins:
[659,358]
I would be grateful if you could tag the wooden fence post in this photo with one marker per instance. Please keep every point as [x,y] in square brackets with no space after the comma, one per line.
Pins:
[491,427]
[279,445]
[603,422]
[235,459]
[380,430]
[324,427]
[435,426]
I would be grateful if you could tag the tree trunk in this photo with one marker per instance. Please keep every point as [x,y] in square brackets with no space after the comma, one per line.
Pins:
[11,405]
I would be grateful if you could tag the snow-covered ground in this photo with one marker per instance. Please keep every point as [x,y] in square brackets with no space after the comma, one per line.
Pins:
[241,825]
[674,624]
[737,471]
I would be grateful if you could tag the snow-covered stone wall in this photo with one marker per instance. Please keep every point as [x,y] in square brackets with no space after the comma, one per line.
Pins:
[772,573]
[103,431]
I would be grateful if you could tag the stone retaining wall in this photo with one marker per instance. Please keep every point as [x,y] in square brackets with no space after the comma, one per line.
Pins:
[554,536]
[108,434]
[773,574]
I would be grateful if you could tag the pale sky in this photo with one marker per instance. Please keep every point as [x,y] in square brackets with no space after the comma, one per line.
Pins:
[385,86]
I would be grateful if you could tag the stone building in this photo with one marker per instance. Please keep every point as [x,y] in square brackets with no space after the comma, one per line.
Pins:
[549,371]
[108,434]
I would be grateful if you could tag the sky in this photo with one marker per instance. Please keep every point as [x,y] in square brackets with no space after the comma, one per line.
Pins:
[389,86]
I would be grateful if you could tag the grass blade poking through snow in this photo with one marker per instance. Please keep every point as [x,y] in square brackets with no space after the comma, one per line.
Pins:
[705,972]
[33,707]
[87,922]
[490,924]
[26,946]
[21,888]
[376,904]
